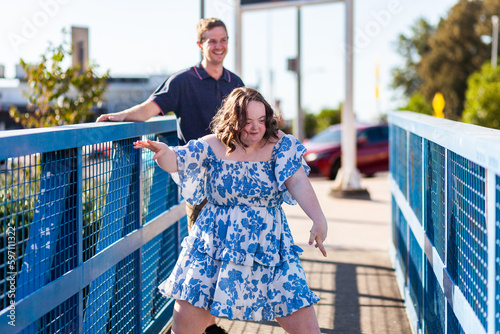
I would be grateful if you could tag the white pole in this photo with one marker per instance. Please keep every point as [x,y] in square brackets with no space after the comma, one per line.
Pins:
[348,133]
[348,180]
[237,37]
[494,47]
[298,127]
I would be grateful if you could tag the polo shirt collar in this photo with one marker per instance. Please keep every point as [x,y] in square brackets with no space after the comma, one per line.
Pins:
[202,74]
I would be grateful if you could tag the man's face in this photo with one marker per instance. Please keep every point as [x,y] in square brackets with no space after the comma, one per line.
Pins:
[214,45]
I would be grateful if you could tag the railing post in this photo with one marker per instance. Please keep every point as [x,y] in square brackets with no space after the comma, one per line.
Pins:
[79,223]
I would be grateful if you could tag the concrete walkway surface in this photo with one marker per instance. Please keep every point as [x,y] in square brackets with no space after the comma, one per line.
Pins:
[356,282]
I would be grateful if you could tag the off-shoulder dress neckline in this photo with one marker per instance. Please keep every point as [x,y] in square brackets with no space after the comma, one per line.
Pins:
[276,146]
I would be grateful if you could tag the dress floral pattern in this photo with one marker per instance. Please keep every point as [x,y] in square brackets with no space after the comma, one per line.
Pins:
[239,260]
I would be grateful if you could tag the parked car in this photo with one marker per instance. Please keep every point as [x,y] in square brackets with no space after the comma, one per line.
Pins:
[323,150]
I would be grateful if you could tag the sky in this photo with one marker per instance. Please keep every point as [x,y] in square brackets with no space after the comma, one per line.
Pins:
[150,37]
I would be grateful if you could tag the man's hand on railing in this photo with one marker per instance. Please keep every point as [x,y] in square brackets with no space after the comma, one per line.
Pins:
[139,113]
[115,117]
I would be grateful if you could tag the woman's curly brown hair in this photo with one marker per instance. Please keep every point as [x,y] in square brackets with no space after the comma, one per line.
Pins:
[231,118]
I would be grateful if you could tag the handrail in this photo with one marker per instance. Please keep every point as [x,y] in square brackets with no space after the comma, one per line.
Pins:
[91,226]
[445,186]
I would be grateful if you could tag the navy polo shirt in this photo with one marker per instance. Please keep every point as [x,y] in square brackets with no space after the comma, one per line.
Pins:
[194,96]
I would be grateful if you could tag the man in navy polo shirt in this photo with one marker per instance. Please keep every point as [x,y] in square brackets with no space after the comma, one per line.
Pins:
[194,95]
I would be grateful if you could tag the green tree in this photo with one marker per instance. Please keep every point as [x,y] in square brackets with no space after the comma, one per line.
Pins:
[456,51]
[418,103]
[59,96]
[328,117]
[482,103]
[315,123]
[310,124]
[412,48]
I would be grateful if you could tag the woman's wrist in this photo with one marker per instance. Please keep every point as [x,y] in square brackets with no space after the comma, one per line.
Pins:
[320,221]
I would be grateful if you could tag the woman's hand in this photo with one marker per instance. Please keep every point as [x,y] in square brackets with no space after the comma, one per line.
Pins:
[164,156]
[157,147]
[318,235]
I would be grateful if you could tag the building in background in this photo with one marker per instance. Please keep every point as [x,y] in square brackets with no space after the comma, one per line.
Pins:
[121,92]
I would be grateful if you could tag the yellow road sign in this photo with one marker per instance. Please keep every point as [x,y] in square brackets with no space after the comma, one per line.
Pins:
[438,105]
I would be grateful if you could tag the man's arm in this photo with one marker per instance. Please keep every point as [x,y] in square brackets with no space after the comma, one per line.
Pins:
[139,113]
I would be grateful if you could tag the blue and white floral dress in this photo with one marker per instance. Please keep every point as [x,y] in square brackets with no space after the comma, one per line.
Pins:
[239,260]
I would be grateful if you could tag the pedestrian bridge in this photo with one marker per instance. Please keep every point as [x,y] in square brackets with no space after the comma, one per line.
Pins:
[89,227]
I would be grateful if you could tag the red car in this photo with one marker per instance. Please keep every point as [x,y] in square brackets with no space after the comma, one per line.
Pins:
[323,150]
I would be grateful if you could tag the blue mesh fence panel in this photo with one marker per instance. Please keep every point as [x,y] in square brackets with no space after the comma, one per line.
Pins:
[159,190]
[154,184]
[97,166]
[150,255]
[394,227]
[183,228]
[435,215]
[38,228]
[434,312]
[497,254]
[61,320]
[51,247]
[19,189]
[159,193]
[111,304]
[398,157]
[156,271]
[402,241]
[38,225]
[108,180]
[415,175]
[124,315]
[60,208]
[415,275]
[467,232]
[392,149]
[402,162]
[118,215]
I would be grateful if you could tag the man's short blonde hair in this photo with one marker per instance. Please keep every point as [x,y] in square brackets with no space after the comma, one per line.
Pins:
[206,25]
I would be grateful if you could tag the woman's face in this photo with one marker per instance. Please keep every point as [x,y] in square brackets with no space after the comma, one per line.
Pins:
[255,125]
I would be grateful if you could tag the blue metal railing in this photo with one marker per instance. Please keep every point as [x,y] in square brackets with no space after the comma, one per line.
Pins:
[445,186]
[89,227]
